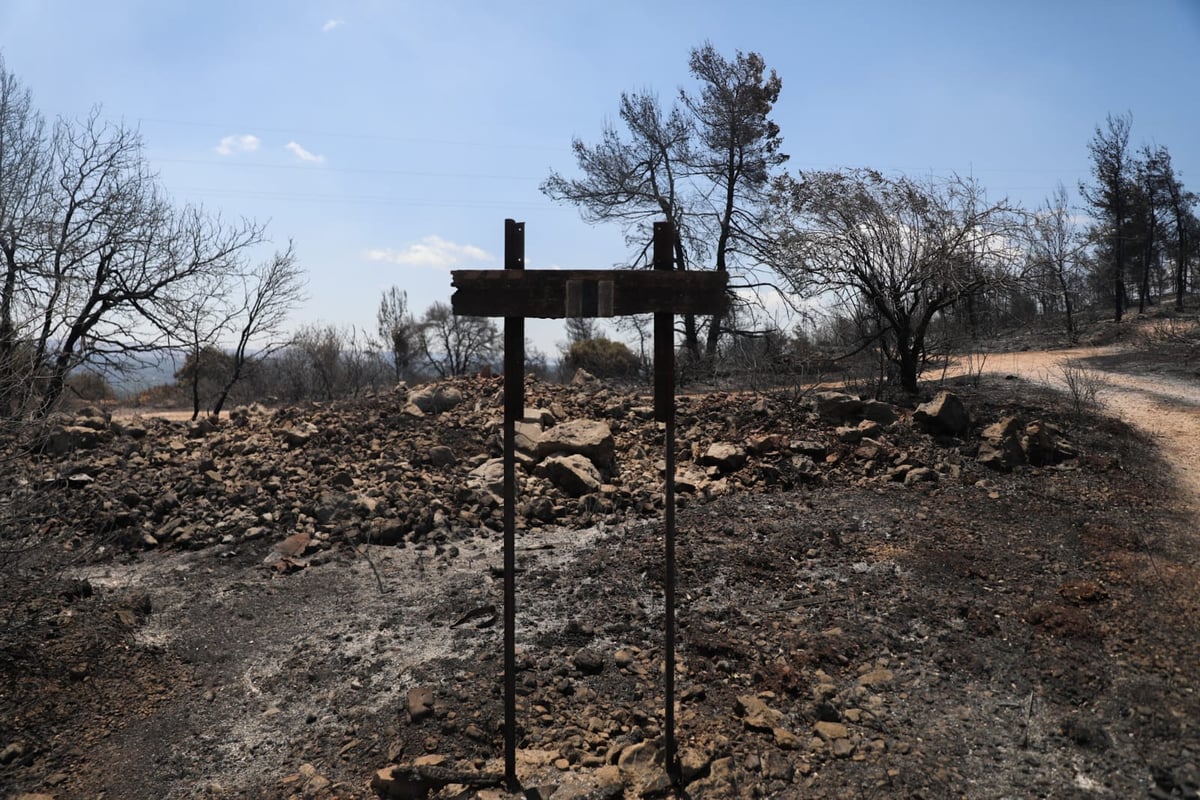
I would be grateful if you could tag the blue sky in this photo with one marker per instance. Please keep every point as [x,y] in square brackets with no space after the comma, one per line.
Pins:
[390,140]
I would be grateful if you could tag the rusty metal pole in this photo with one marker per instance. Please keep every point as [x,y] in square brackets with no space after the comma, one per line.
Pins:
[664,411]
[514,410]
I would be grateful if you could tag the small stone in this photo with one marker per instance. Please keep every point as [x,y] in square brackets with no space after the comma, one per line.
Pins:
[776,766]
[843,748]
[442,456]
[79,480]
[920,475]
[12,752]
[785,739]
[589,662]
[831,731]
[758,716]
[420,703]
[876,677]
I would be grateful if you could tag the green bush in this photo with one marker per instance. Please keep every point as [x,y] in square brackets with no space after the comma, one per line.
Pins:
[89,386]
[603,358]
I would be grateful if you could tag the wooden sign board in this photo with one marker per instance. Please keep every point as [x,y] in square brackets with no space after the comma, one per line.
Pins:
[559,294]
[515,293]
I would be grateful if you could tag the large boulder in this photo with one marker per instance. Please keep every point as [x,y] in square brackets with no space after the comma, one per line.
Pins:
[573,473]
[584,437]
[1044,444]
[435,399]
[488,477]
[725,456]
[1000,445]
[65,439]
[837,406]
[945,413]
[878,411]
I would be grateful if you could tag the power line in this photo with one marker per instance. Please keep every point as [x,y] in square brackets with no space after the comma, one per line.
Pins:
[347,135]
[362,199]
[360,170]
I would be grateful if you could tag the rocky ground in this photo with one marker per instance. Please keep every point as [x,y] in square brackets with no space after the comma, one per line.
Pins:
[985,596]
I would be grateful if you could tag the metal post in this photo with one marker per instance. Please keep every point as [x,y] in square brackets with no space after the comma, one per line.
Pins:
[664,411]
[514,410]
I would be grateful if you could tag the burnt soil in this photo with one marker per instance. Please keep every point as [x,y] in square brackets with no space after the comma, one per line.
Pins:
[1023,634]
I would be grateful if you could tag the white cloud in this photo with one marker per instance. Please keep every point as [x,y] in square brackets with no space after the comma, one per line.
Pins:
[432,251]
[245,143]
[302,154]
[331,24]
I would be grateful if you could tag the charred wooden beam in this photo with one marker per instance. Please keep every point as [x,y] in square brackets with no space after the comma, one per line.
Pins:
[558,294]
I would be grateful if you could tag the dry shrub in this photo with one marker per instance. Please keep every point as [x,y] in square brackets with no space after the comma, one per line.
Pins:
[1084,386]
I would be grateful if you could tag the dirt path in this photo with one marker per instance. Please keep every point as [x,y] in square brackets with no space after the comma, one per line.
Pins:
[1166,407]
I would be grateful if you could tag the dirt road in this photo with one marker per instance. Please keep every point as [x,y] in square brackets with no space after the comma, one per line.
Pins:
[1161,403]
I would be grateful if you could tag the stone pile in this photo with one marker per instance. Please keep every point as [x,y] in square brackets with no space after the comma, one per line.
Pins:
[422,466]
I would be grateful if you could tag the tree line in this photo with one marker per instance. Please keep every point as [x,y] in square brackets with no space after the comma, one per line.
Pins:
[100,268]
[895,258]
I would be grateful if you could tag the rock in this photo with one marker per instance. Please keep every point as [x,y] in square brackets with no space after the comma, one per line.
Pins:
[1000,448]
[587,381]
[589,662]
[720,784]
[542,417]
[92,417]
[849,434]
[785,739]
[688,479]
[878,411]
[842,748]
[435,399]
[945,413]
[297,436]
[420,703]
[757,715]
[608,783]
[489,476]
[79,480]
[813,450]
[589,438]
[1044,445]
[724,456]
[1083,592]
[442,456]
[638,757]
[876,677]
[12,752]
[776,766]
[574,474]
[425,775]
[134,430]
[764,444]
[830,731]
[199,428]
[526,436]
[692,763]
[67,439]
[837,406]
[920,475]
[294,545]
